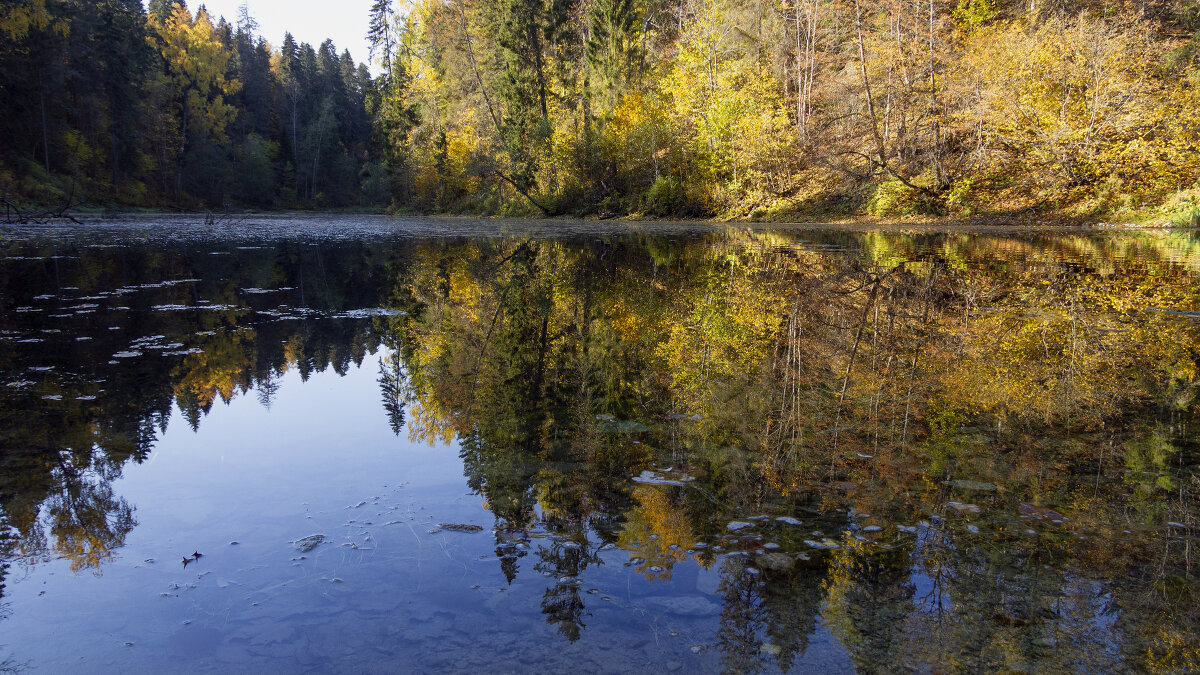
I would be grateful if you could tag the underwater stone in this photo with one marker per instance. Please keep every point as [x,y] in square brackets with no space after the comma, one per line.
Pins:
[775,561]
[685,605]
[306,544]
[460,527]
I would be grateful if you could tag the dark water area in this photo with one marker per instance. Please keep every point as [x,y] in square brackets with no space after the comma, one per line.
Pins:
[424,445]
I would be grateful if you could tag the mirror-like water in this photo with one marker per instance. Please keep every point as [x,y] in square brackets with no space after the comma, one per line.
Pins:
[446,445]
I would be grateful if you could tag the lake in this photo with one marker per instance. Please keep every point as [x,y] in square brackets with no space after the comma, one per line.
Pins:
[366,444]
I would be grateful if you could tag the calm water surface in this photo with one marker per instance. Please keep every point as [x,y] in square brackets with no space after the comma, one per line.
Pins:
[568,446]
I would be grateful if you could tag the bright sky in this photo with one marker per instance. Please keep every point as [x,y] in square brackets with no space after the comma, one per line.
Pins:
[311,21]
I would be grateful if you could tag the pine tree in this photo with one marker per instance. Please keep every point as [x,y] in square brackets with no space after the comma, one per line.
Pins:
[381,35]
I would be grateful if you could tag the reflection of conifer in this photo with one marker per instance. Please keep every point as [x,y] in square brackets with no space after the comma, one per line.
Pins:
[509,566]
[147,434]
[267,385]
[391,387]
[189,405]
[561,603]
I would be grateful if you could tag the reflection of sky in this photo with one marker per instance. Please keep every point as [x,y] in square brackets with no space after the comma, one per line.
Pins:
[320,444]
[382,589]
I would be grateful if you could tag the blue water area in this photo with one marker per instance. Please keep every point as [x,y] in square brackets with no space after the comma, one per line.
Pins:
[344,444]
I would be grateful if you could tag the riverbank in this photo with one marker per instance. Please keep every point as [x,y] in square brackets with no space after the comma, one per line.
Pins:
[232,217]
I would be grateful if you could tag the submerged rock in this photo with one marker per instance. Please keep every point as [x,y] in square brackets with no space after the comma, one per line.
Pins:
[826,544]
[663,478]
[775,561]
[621,427]
[963,508]
[788,520]
[739,525]
[306,544]
[683,605]
[461,527]
[1041,512]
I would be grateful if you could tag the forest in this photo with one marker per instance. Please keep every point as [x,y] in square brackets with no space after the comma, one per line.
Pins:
[738,109]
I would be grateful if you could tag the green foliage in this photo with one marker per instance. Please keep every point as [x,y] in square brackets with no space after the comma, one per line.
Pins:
[960,197]
[1186,213]
[171,106]
[256,184]
[665,197]
[893,197]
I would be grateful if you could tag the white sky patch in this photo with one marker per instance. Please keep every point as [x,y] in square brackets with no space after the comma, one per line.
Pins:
[311,21]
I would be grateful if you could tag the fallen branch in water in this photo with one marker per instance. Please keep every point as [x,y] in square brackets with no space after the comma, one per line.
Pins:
[222,218]
[13,215]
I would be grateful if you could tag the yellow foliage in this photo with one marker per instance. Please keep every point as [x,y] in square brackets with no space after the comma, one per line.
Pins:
[197,62]
[1082,98]
[18,17]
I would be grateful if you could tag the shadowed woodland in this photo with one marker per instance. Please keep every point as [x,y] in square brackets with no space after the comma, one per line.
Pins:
[755,109]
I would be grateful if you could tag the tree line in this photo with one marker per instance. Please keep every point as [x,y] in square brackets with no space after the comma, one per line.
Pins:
[762,108]
[736,108]
[112,102]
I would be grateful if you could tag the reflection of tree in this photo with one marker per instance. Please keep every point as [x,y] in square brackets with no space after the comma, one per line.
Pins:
[267,386]
[559,366]
[564,561]
[895,376]
[869,596]
[87,520]
[66,436]
[742,618]
[659,528]
[792,600]
[391,386]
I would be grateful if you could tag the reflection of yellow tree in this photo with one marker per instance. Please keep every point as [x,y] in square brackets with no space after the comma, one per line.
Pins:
[659,528]
[722,330]
[220,369]
[88,522]
[1078,351]
[865,373]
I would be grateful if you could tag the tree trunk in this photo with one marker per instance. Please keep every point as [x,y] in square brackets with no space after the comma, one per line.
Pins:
[45,134]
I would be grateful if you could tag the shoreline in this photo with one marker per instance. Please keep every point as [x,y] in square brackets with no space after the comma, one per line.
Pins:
[88,216]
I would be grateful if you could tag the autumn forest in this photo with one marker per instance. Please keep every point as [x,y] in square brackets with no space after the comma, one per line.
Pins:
[755,109]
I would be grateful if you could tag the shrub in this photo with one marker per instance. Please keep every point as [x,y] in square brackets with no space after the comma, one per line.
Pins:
[665,197]
[893,198]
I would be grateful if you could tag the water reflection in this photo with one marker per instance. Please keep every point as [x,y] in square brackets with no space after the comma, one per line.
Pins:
[949,451]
